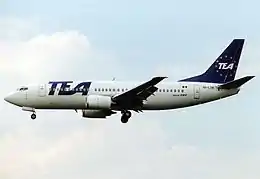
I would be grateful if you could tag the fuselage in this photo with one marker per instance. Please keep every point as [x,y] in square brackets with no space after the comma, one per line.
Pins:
[72,95]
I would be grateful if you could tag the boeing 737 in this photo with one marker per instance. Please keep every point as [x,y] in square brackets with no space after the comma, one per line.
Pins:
[99,99]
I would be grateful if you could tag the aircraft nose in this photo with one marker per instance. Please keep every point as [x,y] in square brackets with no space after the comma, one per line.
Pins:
[10,98]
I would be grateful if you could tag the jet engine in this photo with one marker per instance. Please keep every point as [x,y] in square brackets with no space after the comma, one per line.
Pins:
[96,113]
[98,102]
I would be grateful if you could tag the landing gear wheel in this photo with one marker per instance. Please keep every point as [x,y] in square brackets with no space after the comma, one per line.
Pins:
[124,119]
[125,116]
[33,116]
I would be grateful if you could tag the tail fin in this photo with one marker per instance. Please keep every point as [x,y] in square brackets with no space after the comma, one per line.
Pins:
[224,69]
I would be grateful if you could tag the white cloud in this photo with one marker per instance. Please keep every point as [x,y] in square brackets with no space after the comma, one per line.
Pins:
[113,150]
[13,29]
[58,55]
[26,154]
[43,55]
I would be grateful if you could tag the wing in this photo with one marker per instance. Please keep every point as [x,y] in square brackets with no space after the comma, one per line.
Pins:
[134,98]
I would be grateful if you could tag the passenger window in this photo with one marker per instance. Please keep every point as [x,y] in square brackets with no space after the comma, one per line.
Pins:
[171,90]
[182,91]
[178,90]
[167,90]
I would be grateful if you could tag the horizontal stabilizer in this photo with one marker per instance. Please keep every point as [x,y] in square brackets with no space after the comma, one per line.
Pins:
[236,83]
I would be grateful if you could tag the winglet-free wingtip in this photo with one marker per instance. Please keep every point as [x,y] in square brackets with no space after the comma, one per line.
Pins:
[160,77]
[163,77]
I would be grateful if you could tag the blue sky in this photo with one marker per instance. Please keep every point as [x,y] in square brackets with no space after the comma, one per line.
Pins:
[129,40]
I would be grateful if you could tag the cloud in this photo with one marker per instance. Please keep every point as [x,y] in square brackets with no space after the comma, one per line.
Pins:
[43,55]
[24,153]
[103,149]
[60,55]
[13,29]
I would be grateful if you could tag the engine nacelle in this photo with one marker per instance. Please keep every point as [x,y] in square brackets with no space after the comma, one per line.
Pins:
[98,102]
[94,113]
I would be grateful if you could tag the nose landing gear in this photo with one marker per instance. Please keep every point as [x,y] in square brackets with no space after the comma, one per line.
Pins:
[33,116]
[125,116]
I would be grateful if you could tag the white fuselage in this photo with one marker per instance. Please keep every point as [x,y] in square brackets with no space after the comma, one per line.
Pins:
[170,95]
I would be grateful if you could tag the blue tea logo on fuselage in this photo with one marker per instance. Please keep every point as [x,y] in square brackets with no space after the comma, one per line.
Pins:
[66,89]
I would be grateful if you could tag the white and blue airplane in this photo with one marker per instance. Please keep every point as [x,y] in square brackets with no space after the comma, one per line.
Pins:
[99,99]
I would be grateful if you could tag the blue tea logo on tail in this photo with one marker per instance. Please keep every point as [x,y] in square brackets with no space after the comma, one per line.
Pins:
[223,66]
[224,69]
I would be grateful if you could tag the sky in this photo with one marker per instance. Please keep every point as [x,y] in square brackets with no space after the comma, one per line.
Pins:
[128,40]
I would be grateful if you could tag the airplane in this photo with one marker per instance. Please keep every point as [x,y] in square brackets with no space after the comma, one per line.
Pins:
[100,99]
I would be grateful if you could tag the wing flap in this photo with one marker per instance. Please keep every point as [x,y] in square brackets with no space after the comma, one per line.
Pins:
[135,96]
[146,93]
[139,90]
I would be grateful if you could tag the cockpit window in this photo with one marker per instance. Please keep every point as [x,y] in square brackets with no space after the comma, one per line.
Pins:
[23,89]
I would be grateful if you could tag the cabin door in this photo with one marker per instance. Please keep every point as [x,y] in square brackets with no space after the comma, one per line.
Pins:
[42,90]
[196,91]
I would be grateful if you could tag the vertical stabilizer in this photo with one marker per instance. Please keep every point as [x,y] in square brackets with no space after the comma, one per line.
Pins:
[224,68]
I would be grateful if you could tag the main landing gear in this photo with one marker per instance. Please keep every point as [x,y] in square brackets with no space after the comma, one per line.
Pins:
[125,116]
